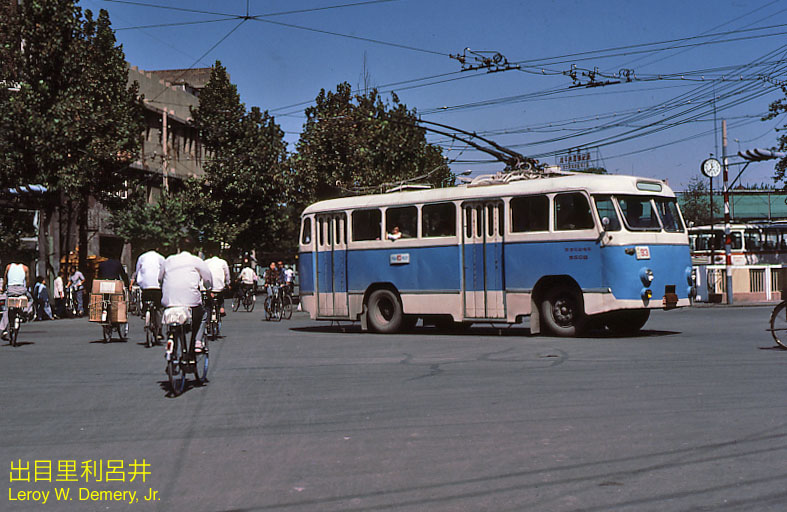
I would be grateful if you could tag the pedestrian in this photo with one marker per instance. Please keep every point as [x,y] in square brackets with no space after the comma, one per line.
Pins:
[41,299]
[59,294]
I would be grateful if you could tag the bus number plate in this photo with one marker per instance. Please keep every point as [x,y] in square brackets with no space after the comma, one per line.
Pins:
[400,259]
[643,252]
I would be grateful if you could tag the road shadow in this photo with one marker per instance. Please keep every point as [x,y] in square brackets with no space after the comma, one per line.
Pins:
[20,343]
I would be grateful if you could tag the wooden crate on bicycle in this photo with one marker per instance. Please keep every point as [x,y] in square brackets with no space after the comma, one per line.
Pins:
[17,302]
[118,308]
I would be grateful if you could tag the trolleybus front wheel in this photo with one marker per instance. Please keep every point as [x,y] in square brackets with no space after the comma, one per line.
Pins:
[384,312]
[562,312]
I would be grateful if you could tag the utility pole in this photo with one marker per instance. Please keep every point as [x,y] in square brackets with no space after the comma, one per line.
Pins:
[164,160]
[727,228]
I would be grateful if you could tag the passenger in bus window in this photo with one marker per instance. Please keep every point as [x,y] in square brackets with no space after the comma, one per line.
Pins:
[395,234]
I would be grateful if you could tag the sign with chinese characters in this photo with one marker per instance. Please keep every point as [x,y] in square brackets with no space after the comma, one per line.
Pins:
[576,161]
[400,259]
[643,252]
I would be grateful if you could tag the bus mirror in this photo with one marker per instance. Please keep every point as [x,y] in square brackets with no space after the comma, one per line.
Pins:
[605,222]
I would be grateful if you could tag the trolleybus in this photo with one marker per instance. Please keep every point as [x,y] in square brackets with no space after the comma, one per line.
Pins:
[569,250]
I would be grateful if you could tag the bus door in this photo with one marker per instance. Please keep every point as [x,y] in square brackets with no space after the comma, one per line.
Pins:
[331,265]
[482,258]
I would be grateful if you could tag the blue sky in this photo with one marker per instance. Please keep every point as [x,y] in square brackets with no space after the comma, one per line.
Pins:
[681,55]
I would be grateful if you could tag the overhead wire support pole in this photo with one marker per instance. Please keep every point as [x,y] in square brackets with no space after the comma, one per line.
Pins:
[727,227]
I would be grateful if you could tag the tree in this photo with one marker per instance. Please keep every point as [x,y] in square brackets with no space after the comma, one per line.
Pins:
[74,124]
[695,203]
[354,144]
[162,223]
[776,109]
[240,198]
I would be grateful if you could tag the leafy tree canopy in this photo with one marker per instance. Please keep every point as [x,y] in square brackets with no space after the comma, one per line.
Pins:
[356,143]
[777,108]
[695,203]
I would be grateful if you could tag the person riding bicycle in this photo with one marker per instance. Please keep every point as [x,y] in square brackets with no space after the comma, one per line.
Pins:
[180,278]
[289,279]
[76,285]
[272,281]
[15,281]
[220,271]
[149,266]
[247,279]
[112,269]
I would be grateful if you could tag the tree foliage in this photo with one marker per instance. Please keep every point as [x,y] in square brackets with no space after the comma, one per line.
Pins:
[74,123]
[776,109]
[239,200]
[356,143]
[162,223]
[695,203]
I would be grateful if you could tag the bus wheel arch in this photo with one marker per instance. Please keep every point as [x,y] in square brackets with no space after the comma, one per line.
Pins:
[383,310]
[558,303]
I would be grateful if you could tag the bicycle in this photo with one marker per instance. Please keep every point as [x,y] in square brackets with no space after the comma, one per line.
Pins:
[111,317]
[152,314]
[274,305]
[180,360]
[213,326]
[245,297]
[286,303]
[778,324]
[72,308]
[16,315]
[135,301]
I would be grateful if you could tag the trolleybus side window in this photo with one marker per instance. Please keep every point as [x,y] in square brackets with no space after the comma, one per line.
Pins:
[605,207]
[367,225]
[306,237]
[529,213]
[438,219]
[753,239]
[638,212]
[403,220]
[572,212]
[668,211]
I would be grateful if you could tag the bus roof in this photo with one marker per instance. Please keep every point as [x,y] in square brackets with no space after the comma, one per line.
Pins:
[593,183]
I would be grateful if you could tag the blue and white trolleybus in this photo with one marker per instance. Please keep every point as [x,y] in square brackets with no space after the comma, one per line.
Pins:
[566,249]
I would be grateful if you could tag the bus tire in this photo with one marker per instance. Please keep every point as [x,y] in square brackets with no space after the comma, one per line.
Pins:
[384,312]
[627,322]
[562,313]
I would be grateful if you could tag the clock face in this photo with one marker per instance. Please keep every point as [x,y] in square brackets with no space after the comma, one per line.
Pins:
[711,167]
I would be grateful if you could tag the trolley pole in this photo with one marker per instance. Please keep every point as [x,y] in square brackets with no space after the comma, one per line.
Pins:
[727,227]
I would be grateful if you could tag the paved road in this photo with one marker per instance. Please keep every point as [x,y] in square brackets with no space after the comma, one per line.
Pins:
[299,416]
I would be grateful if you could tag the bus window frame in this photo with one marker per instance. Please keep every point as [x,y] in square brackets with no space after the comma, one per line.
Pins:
[653,208]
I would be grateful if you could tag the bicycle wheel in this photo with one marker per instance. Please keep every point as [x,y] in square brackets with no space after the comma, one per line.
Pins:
[248,302]
[236,302]
[123,331]
[107,330]
[779,325]
[201,367]
[13,328]
[286,307]
[277,310]
[267,307]
[175,370]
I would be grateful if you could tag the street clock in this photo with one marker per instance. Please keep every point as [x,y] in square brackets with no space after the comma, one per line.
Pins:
[711,167]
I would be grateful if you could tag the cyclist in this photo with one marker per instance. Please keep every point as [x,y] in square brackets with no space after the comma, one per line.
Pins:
[15,281]
[112,269]
[272,281]
[247,278]
[289,279]
[149,267]
[180,286]
[77,283]
[220,271]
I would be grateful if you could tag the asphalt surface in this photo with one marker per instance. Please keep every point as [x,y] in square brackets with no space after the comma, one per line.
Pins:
[302,416]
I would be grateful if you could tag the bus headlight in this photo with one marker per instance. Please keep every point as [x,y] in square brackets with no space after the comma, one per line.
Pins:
[646,276]
[646,294]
